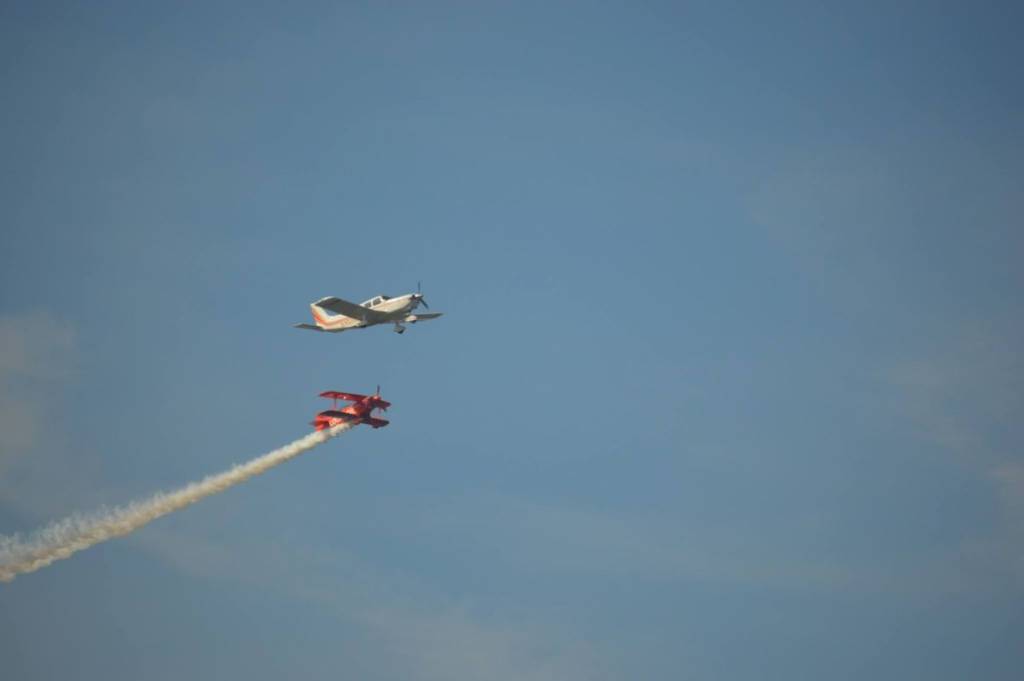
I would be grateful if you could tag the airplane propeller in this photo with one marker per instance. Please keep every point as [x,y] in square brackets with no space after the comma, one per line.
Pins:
[419,296]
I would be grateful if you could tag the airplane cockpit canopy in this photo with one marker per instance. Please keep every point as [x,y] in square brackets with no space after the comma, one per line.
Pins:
[376,300]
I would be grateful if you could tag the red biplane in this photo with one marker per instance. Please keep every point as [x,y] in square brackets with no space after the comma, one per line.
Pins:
[360,411]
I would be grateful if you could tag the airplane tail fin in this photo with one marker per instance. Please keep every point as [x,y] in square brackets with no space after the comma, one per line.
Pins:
[321,315]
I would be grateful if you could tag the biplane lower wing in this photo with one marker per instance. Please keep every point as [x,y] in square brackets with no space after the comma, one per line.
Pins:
[335,414]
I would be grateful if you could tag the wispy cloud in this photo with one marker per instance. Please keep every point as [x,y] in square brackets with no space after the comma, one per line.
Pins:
[409,629]
[964,395]
[906,244]
[868,219]
[36,355]
[454,643]
[566,541]
[1009,481]
[1010,478]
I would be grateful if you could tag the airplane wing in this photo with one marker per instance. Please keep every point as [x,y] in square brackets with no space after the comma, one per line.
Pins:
[339,306]
[311,327]
[334,414]
[335,395]
[422,316]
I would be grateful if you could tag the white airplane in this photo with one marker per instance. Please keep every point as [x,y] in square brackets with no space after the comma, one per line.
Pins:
[335,315]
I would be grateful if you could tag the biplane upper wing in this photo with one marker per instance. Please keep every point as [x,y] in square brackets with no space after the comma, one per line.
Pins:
[339,306]
[335,395]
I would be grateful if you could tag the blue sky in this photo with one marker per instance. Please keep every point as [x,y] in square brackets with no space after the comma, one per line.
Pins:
[728,384]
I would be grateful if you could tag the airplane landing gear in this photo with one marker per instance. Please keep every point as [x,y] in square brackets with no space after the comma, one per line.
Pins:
[399,328]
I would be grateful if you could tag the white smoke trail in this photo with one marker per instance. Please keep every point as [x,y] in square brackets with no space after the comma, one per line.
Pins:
[77,532]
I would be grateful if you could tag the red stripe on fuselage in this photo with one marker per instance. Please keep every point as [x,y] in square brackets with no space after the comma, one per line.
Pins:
[325,322]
